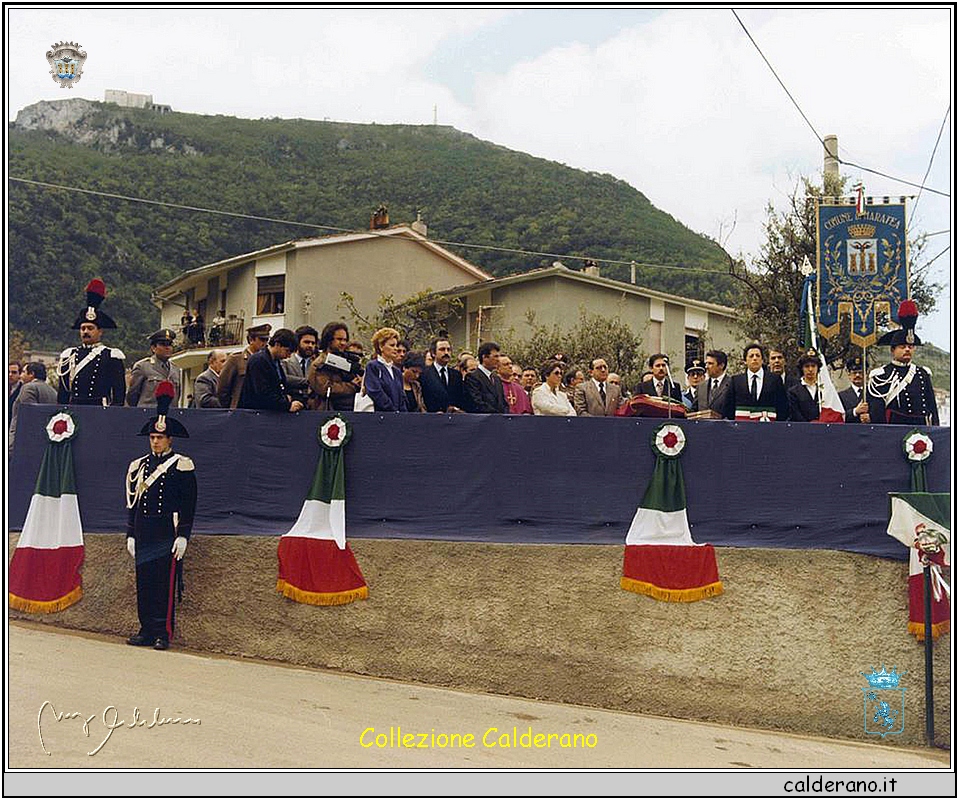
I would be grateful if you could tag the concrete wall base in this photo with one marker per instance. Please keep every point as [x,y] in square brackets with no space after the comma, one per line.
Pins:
[782,649]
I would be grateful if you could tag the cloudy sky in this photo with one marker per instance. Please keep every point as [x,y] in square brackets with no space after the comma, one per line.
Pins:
[679,103]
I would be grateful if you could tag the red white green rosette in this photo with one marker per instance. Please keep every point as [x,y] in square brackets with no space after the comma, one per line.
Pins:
[917,446]
[669,440]
[335,432]
[61,427]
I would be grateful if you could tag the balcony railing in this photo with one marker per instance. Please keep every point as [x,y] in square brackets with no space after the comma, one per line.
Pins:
[229,332]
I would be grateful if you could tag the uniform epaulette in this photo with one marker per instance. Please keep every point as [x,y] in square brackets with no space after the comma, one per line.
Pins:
[928,371]
[876,371]
[116,352]
[66,352]
[185,464]
[135,464]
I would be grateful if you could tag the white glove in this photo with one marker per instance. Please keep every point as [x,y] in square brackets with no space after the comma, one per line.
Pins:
[179,547]
[132,546]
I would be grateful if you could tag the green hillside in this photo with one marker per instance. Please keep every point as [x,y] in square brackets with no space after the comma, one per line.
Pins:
[326,173]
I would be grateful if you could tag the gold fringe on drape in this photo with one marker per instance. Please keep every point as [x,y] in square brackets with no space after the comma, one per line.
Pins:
[321,598]
[672,595]
[45,606]
[918,629]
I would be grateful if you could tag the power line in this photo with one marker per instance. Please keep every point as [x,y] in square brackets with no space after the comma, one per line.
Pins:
[932,156]
[812,127]
[239,215]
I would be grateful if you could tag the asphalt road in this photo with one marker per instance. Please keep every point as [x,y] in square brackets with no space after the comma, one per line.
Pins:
[85,701]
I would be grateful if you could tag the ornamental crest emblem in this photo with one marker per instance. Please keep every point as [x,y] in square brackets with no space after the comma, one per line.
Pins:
[883,702]
[66,63]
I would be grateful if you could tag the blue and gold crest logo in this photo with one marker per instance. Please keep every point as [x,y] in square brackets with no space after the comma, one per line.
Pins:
[862,267]
[66,63]
[883,702]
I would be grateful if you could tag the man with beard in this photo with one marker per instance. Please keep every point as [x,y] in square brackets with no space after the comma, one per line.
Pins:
[334,385]
[92,374]
[297,365]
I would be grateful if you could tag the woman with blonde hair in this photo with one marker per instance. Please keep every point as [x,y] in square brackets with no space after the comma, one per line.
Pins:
[383,381]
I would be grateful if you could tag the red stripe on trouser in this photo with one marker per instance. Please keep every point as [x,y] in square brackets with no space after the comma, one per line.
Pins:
[169,607]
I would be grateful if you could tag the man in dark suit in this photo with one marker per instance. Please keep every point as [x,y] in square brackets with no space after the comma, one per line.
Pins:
[482,388]
[264,386]
[804,400]
[661,384]
[758,394]
[777,365]
[854,398]
[715,392]
[442,384]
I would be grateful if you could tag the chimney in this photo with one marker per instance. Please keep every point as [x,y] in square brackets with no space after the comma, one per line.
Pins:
[419,226]
[590,267]
[830,164]
[380,218]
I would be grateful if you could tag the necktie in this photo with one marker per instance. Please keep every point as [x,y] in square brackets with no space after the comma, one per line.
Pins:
[446,380]
[305,363]
[659,388]
[602,394]
[754,392]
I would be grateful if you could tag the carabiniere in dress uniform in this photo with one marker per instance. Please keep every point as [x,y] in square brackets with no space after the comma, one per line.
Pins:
[161,502]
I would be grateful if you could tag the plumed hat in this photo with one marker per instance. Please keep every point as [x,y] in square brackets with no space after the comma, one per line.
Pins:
[908,314]
[161,423]
[96,291]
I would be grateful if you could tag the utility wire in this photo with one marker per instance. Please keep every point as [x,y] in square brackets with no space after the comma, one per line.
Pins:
[812,127]
[932,156]
[336,229]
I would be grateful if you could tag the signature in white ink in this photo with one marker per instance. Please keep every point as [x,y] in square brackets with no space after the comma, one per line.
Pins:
[111,721]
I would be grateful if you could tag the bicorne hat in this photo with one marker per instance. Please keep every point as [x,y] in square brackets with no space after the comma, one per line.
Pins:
[162,423]
[96,291]
[908,314]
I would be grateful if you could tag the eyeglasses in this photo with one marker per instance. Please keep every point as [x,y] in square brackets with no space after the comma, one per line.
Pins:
[601,366]
[557,372]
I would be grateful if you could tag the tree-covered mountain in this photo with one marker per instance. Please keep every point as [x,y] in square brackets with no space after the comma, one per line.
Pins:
[321,173]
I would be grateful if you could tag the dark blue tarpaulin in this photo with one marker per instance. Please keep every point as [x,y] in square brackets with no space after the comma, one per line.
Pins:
[504,479]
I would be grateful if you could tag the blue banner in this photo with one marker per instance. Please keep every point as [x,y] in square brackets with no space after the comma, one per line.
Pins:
[862,267]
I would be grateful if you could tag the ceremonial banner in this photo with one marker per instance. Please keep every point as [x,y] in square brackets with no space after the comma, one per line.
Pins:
[862,266]
[661,559]
[316,565]
[45,570]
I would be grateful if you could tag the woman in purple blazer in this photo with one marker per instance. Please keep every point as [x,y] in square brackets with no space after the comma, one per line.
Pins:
[383,381]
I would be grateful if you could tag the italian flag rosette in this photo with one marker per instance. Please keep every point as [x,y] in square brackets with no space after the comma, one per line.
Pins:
[316,564]
[661,559]
[45,570]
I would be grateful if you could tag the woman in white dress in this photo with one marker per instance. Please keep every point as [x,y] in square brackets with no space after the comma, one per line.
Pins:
[548,398]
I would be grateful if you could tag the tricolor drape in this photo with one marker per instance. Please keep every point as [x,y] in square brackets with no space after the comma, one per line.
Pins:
[919,519]
[316,564]
[661,559]
[45,570]
[923,513]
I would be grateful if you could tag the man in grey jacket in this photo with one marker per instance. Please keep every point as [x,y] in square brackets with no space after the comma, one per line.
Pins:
[205,385]
[35,390]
